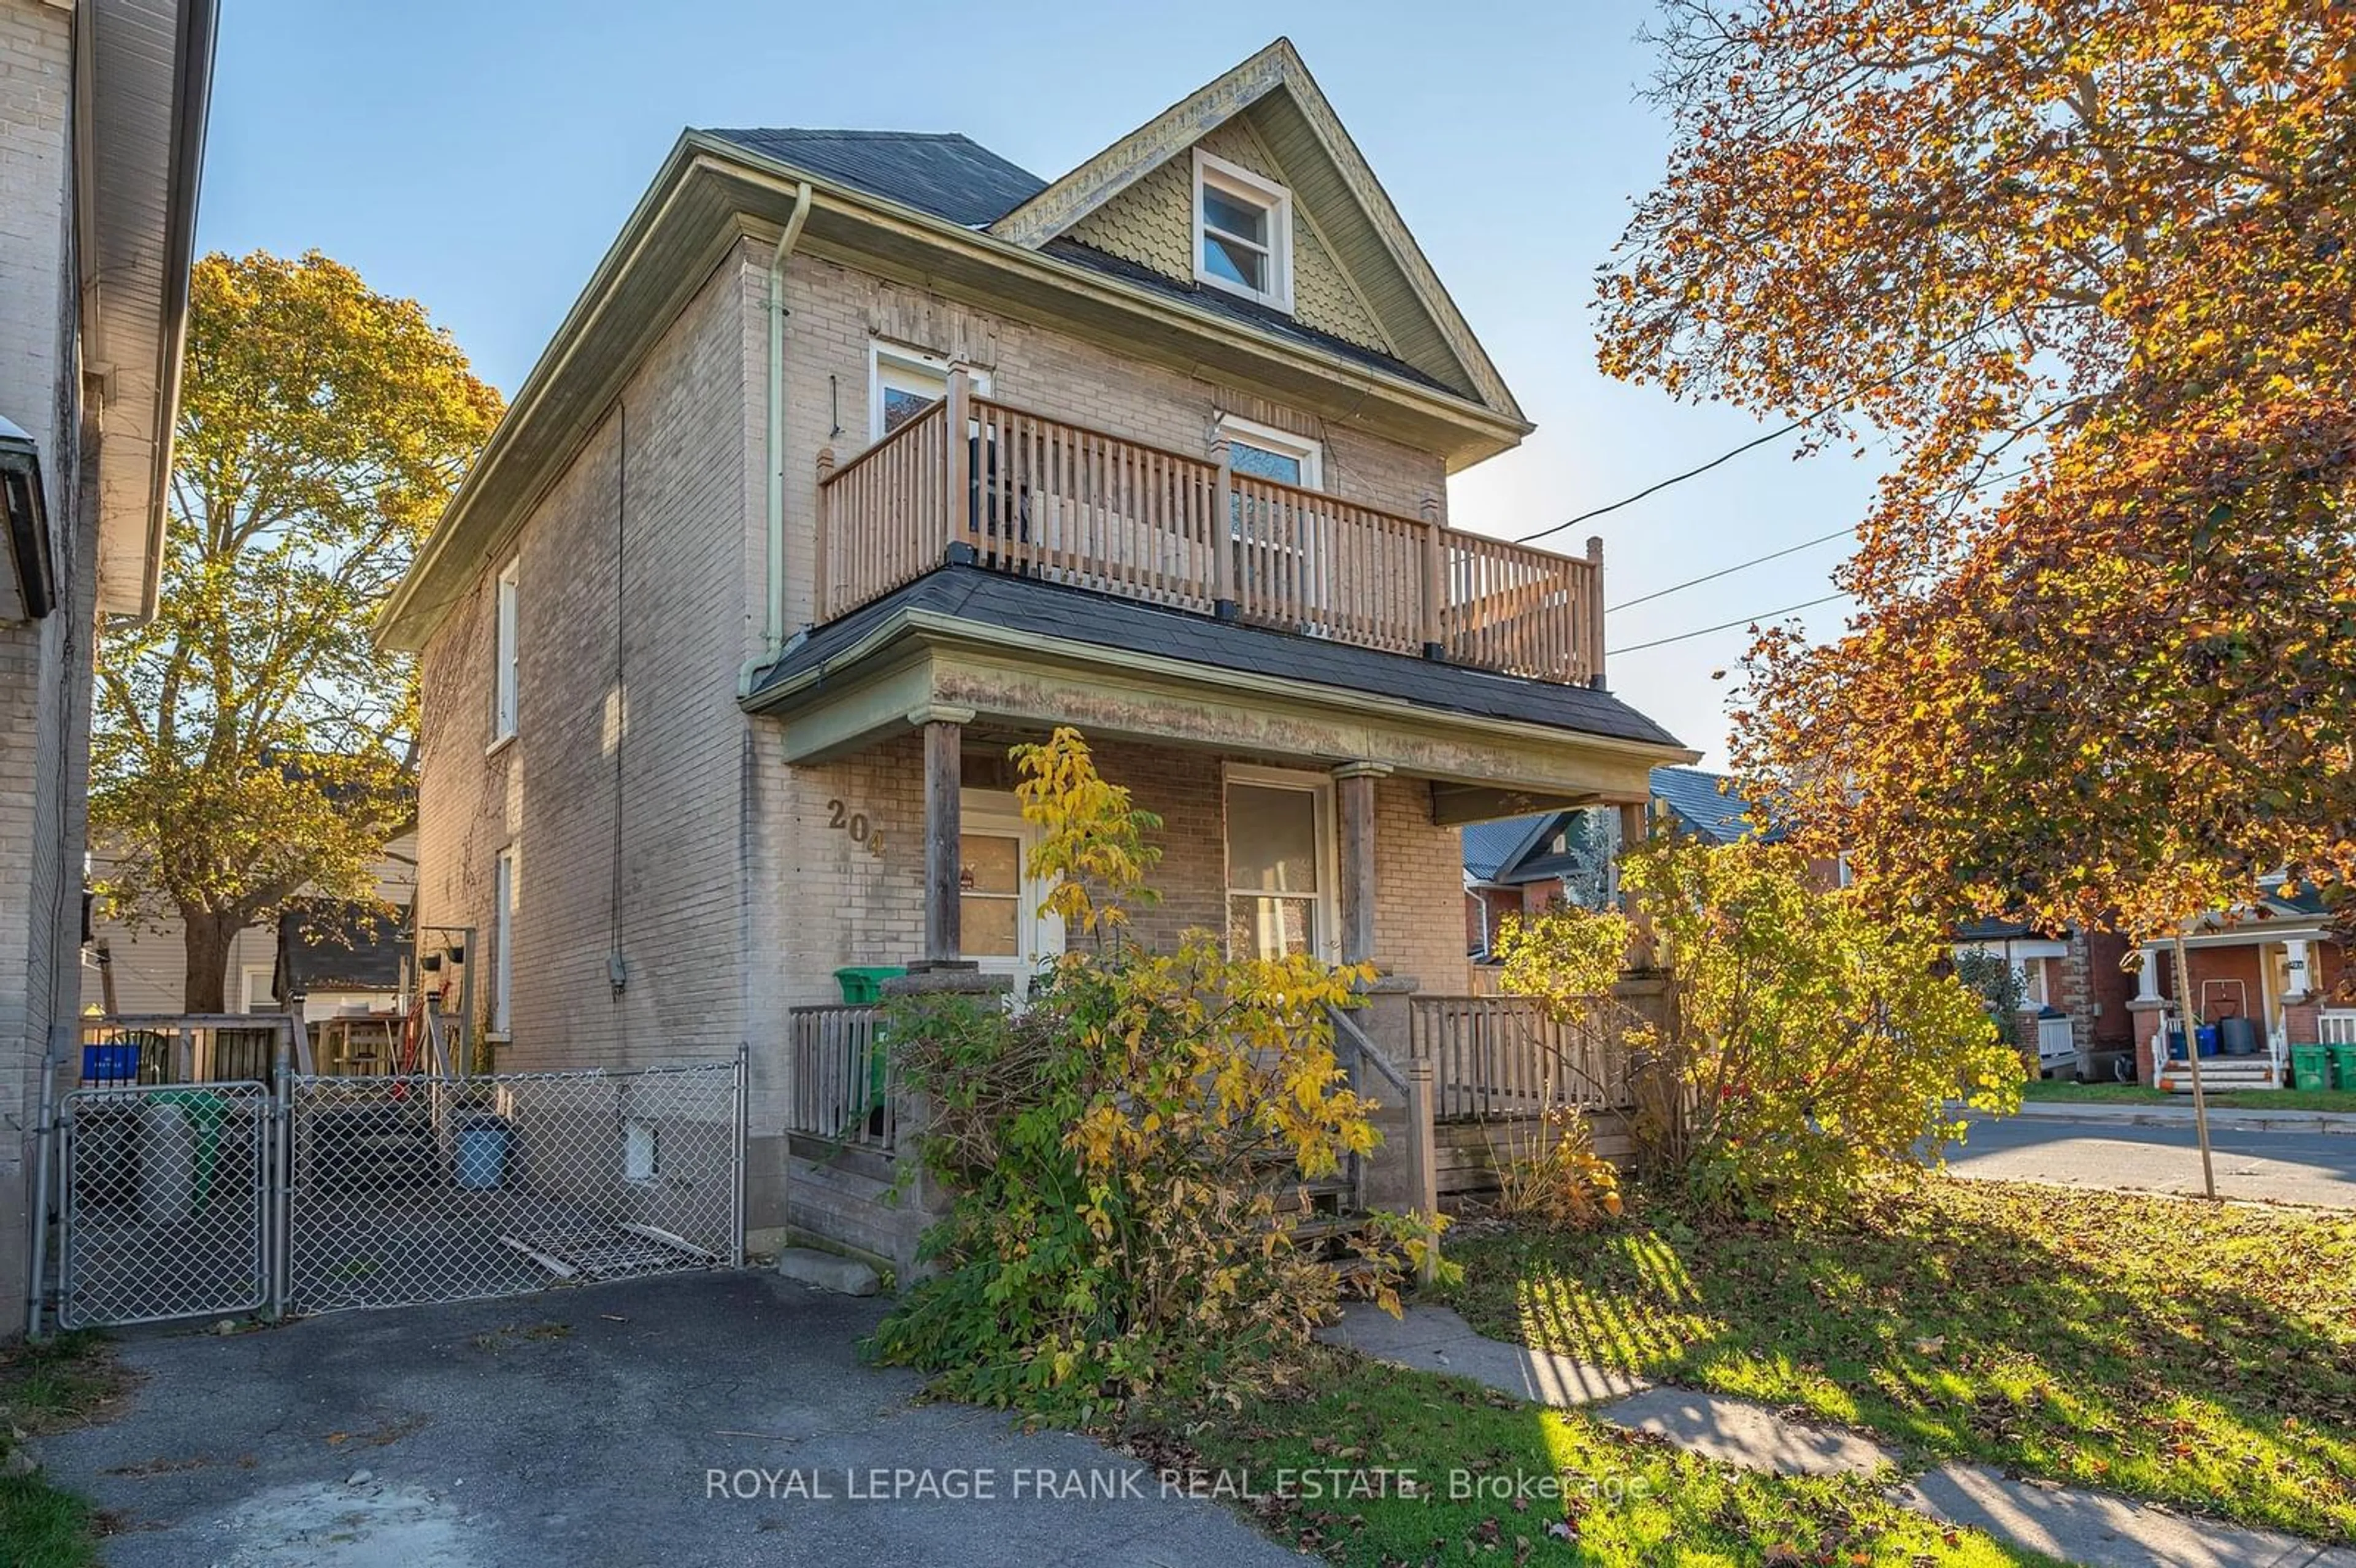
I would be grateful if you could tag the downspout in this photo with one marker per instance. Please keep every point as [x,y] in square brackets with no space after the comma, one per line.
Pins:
[773,640]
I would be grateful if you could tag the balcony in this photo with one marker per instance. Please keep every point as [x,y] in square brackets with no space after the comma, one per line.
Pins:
[1027,495]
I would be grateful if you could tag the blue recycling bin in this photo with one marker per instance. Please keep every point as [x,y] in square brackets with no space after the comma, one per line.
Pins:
[484,1145]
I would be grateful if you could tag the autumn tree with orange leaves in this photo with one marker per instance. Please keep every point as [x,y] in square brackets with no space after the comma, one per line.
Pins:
[2084,268]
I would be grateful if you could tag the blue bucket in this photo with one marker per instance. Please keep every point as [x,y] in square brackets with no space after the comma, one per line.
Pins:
[483,1146]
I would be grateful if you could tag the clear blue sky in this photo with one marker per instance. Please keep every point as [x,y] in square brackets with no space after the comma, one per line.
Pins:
[481,156]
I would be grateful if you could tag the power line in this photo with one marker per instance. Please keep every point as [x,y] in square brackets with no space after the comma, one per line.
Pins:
[1726,571]
[1807,419]
[1722,626]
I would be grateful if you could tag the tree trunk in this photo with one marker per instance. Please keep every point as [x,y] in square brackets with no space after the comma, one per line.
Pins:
[207,935]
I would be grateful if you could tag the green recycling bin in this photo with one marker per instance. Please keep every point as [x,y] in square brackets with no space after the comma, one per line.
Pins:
[862,984]
[2306,1068]
[2343,1066]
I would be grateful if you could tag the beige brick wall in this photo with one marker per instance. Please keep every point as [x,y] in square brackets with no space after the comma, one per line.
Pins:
[1152,224]
[44,665]
[664,693]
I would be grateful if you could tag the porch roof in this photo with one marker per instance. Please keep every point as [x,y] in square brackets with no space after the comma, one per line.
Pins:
[1076,614]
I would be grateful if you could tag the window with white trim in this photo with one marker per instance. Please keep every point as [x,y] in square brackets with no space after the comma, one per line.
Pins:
[903,382]
[1263,452]
[503,907]
[1280,871]
[1243,232]
[503,674]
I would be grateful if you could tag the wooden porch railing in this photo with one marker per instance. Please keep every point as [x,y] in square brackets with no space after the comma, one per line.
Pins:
[1042,497]
[845,1089]
[1507,1056]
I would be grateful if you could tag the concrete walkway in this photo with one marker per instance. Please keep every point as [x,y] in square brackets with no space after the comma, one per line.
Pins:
[2075,1525]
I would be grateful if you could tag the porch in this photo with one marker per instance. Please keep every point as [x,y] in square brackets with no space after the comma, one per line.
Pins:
[2257,989]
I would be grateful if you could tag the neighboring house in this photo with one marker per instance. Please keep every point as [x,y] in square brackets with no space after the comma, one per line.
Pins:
[146,959]
[102,133]
[2073,991]
[865,456]
[2278,963]
[1521,865]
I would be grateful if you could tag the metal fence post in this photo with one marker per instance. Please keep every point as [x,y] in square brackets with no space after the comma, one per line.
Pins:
[740,1111]
[48,1144]
[278,1244]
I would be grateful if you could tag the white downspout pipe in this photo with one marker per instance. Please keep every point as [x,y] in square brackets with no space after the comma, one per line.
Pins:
[772,639]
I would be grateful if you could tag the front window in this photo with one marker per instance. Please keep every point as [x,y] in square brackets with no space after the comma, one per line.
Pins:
[1243,232]
[1278,839]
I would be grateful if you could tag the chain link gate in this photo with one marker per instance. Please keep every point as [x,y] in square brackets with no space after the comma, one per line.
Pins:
[164,1195]
[344,1192]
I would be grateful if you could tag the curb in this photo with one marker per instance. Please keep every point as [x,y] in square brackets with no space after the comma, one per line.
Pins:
[2098,1114]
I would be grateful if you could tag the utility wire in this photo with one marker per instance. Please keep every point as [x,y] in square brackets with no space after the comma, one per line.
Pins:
[1722,626]
[1756,441]
[1728,570]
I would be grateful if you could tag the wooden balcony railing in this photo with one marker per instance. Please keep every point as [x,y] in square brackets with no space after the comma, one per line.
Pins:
[1043,498]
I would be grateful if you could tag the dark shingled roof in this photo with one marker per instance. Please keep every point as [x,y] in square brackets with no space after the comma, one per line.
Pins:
[1491,847]
[956,177]
[1076,614]
[1702,804]
[947,175]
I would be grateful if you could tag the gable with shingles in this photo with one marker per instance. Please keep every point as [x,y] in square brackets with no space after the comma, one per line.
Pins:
[1152,223]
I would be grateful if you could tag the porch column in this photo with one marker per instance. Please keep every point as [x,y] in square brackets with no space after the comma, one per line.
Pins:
[2147,976]
[1353,801]
[944,728]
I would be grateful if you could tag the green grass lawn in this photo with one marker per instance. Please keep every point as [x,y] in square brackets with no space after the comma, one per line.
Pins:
[1493,1478]
[2200,1355]
[2055,1090]
[45,1387]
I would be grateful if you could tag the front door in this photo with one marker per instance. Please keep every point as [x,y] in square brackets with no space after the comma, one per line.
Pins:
[1001,925]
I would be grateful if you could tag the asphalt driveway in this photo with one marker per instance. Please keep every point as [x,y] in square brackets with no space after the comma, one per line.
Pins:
[2269,1166]
[693,1420]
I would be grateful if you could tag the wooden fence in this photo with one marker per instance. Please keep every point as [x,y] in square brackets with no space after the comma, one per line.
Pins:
[1507,1056]
[843,1082]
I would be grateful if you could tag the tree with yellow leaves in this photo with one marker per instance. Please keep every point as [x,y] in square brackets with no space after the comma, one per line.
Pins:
[252,742]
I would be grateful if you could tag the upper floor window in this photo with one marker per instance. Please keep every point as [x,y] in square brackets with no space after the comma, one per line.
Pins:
[503,675]
[1263,452]
[1243,232]
[903,382]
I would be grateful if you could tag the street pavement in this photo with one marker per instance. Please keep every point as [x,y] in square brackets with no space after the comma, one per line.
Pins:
[2272,1167]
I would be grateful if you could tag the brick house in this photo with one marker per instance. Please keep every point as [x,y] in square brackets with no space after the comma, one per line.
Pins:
[866,455]
[102,131]
[2281,964]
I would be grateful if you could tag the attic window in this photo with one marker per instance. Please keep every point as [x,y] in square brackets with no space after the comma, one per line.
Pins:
[1243,232]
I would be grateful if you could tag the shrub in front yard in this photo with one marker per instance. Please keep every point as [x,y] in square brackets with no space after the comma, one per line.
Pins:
[1808,1042]
[1111,1150]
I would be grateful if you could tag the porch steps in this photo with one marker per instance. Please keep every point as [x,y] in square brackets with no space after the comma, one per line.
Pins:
[2220,1074]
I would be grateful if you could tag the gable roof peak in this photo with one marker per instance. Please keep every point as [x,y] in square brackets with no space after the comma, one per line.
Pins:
[1332,185]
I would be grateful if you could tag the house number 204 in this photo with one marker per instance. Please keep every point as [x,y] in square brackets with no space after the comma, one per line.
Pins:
[854,822]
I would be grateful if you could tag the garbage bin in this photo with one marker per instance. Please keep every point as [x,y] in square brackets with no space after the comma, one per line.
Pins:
[179,1145]
[2343,1065]
[2307,1067]
[484,1144]
[862,984]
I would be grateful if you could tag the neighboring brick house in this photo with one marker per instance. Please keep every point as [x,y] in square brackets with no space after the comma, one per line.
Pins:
[1523,864]
[867,454]
[2281,963]
[101,131]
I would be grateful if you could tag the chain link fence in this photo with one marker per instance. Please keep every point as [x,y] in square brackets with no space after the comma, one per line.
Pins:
[402,1190]
[164,1193]
[344,1192]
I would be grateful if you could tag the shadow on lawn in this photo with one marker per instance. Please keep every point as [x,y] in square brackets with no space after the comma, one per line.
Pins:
[2079,1337]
